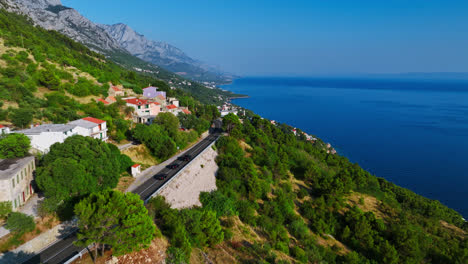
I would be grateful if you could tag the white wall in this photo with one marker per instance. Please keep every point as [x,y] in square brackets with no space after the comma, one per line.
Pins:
[43,141]
[10,193]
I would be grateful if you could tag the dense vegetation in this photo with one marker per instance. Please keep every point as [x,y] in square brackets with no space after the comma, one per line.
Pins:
[14,146]
[114,219]
[77,167]
[164,136]
[35,58]
[295,193]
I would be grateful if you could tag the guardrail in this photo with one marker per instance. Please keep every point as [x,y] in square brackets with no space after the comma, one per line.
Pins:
[79,254]
[179,172]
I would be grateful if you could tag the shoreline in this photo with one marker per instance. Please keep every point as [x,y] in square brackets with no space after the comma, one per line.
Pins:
[239,97]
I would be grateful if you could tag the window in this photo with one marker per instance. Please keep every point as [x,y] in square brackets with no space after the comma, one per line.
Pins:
[14,206]
[13,182]
[147,106]
[139,107]
[17,178]
[22,172]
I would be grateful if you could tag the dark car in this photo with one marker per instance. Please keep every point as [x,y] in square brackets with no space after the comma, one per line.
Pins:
[160,177]
[186,157]
[173,166]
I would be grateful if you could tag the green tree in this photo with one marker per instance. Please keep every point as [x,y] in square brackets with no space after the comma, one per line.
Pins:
[20,223]
[21,117]
[5,209]
[49,79]
[169,122]
[14,146]
[115,219]
[65,178]
[230,121]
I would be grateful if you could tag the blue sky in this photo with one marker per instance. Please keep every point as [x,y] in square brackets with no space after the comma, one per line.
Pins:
[299,37]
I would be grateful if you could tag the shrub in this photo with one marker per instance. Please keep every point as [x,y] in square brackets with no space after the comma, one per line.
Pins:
[5,209]
[20,223]
[14,146]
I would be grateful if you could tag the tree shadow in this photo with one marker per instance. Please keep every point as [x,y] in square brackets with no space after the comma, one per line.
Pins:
[19,257]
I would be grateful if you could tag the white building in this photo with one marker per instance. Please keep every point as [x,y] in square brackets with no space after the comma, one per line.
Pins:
[136,170]
[173,101]
[91,127]
[44,136]
[16,176]
[4,130]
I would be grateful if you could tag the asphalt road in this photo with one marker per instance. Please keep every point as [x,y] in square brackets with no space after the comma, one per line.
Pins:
[64,249]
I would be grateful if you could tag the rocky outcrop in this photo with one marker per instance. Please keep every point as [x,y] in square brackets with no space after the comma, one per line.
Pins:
[52,15]
[161,53]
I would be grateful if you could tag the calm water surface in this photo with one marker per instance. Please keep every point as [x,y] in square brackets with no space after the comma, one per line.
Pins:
[413,133]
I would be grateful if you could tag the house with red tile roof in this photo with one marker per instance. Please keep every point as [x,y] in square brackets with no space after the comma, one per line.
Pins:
[115,91]
[111,99]
[4,130]
[145,110]
[102,101]
[91,127]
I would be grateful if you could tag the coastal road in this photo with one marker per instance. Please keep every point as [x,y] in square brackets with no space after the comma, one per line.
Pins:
[64,249]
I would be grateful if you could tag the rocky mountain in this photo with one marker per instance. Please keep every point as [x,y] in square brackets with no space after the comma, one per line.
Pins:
[162,54]
[52,15]
[112,40]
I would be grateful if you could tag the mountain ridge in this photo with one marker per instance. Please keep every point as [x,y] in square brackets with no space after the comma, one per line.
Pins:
[162,54]
[52,15]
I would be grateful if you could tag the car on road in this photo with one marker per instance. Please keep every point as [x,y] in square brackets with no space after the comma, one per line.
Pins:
[173,166]
[161,177]
[186,157]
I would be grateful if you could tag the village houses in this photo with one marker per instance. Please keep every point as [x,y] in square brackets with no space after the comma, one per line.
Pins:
[115,91]
[145,110]
[91,127]
[16,176]
[44,136]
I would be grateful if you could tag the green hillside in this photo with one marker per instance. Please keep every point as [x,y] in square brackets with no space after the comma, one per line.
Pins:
[283,199]
[45,76]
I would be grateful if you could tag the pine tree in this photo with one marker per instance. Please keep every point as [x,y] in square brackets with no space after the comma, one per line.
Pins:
[115,219]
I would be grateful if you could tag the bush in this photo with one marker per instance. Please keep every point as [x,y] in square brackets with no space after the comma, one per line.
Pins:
[20,223]
[14,146]
[5,209]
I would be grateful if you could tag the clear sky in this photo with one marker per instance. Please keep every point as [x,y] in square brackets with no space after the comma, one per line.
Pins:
[301,37]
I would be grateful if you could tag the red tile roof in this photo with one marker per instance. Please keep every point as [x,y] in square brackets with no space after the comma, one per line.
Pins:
[136,101]
[94,120]
[156,103]
[1,126]
[161,97]
[112,98]
[186,111]
[117,89]
[136,165]
[102,101]
[171,107]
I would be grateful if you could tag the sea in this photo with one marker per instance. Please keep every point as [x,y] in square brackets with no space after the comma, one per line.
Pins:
[412,132]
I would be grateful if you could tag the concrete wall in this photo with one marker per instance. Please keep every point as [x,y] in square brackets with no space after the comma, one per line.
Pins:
[184,191]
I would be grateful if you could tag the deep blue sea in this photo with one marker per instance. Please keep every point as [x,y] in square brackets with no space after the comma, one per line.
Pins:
[411,132]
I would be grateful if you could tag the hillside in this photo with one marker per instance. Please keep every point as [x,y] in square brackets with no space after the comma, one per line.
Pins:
[109,40]
[283,199]
[49,77]
[280,198]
